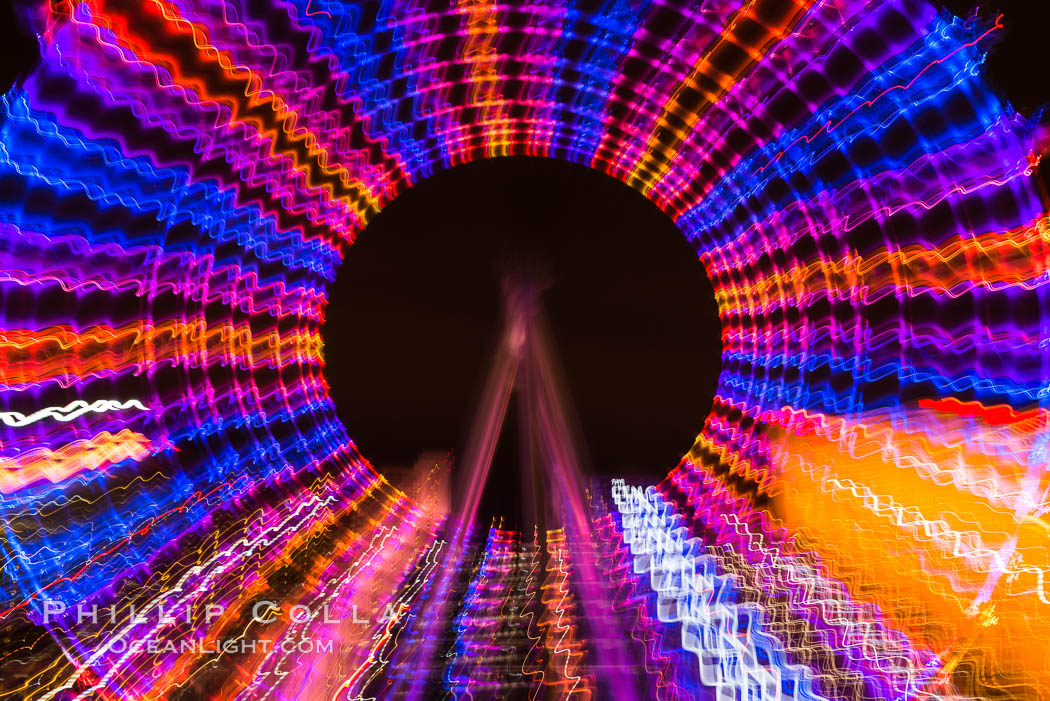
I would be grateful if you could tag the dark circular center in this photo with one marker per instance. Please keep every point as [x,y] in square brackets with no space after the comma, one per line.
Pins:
[414,318]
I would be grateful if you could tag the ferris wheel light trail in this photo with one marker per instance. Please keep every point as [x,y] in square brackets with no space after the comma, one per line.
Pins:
[865,510]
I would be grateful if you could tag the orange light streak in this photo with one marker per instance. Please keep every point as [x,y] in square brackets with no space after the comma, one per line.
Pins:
[95,453]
